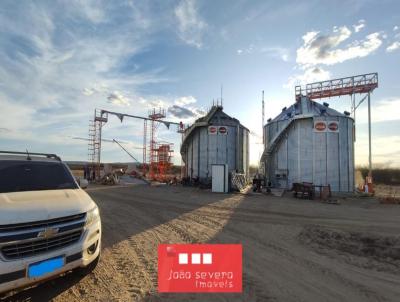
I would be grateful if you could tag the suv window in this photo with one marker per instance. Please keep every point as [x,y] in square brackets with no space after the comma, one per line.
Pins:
[16,176]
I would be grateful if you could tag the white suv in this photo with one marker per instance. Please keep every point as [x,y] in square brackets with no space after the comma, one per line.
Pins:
[48,224]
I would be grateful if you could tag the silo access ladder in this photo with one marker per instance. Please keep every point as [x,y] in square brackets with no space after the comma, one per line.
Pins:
[266,156]
[276,140]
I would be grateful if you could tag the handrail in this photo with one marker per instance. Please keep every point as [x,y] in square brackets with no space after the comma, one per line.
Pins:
[27,153]
[364,83]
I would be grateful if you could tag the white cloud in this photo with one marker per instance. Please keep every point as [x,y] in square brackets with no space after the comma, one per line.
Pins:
[190,24]
[310,75]
[324,49]
[87,91]
[308,37]
[359,26]
[185,100]
[273,52]
[385,145]
[18,117]
[89,9]
[55,69]
[117,98]
[276,52]
[394,46]
[395,28]
[181,112]
[387,109]
[184,109]
[157,103]
[96,88]
[320,49]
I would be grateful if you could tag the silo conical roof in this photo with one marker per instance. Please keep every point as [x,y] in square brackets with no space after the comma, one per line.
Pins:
[313,109]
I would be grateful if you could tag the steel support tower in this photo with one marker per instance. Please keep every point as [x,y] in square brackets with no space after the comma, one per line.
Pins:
[154,116]
[94,145]
[144,162]
[360,84]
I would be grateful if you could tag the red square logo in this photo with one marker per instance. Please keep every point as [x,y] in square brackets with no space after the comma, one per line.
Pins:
[200,268]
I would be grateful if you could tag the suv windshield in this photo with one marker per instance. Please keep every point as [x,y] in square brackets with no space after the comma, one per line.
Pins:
[18,176]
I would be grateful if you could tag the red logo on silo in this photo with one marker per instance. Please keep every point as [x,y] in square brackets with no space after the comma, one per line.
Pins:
[200,268]
[222,130]
[333,126]
[212,130]
[320,126]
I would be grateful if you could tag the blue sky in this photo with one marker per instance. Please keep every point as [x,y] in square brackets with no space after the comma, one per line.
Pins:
[59,60]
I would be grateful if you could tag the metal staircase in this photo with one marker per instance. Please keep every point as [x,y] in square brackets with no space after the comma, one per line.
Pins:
[267,154]
[275,141]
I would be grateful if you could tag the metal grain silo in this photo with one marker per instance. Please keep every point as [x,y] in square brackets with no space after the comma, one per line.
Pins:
[215,138]
[310,142]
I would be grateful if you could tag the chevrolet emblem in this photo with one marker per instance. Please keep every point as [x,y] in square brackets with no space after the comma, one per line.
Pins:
[47,233]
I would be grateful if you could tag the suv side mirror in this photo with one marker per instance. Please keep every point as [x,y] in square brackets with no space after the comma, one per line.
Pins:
[83,183]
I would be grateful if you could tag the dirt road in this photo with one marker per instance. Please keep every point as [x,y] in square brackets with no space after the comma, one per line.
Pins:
[294,250]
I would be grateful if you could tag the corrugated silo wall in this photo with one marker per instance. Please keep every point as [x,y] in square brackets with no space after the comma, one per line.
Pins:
[245,151]
[318,157]
[203,150]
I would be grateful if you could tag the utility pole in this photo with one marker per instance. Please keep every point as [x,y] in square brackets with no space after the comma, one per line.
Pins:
[369,135]
[222,104]
[263,115]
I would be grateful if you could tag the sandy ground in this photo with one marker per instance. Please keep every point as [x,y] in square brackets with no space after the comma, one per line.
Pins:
[294,250]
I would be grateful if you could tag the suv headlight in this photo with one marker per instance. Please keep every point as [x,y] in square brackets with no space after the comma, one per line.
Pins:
[92,216]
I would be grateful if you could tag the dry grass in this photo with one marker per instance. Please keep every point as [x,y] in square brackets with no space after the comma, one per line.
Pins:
[382,175]
[389,194]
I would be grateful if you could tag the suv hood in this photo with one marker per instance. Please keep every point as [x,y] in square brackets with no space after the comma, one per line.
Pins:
[19,207]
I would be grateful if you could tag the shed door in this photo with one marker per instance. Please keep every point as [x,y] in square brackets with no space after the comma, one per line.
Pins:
[218,178]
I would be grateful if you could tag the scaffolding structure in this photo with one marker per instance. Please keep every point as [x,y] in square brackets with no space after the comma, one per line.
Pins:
[162,161]
[157,169]
[144,162]
[157,157]
[94,145]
